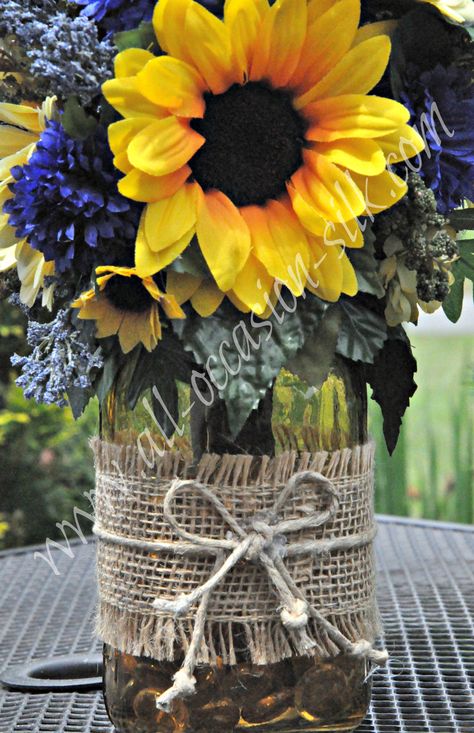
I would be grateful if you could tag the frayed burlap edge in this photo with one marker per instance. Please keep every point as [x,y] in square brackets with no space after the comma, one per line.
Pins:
[143,631]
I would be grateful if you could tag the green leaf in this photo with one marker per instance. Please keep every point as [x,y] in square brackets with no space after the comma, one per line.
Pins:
[366,267]
[113,362]
[462,269]
[78,399]
[362,333]
[191,262]
[240,355]
[76,121]
[165,402]
[391,379]
[141,37]
[158,370]
[462,219]
[313,361]
[452,304]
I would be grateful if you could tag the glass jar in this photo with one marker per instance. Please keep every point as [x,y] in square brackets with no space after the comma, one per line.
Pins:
[297,694]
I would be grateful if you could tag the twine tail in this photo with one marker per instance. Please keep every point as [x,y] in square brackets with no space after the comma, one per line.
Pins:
[184,682]
[361,648]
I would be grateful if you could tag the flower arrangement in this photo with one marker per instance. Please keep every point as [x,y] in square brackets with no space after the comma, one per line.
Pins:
[177,173]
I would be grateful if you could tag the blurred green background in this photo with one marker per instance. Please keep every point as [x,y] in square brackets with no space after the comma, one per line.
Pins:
[46,466]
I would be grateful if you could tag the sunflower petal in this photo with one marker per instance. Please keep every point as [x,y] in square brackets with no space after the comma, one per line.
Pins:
[139,186]
[125,96]
[168,220]
[19,158]
[237,303]
[401,145]
[345,234]
[169,19]
[173,84]
[380,192]
[332,192]
[207,298]
[316,8]
[8,258]
[149,328]
[354,115]
[361,156]
[131,61]
[20,115]
[12,140]
[223,236]
[121,133]
[8,235]
[181,285]
[349,278]
[310,215]
[287,37]
[253,286]
[244,19]
[129,331]
[357,72]
[328,38]
[148,262]
[371,30]
[279,242]
[326,271]
[164,146]
[210,47]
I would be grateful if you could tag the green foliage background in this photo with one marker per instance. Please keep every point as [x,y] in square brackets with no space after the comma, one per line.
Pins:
[45,463]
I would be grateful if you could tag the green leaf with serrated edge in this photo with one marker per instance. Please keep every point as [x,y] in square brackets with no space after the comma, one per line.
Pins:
[151,368]
[392,383]
[366,266]
[462,219]
[362,332]
[242,355]
[141,37]
[313,361]
[76,121]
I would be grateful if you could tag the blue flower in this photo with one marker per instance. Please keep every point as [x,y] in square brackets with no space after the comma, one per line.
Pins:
[117,15]
[442,104]
[66,204]
[60,360]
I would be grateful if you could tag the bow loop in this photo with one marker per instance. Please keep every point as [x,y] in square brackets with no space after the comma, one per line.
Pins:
[178,488]
[263,539]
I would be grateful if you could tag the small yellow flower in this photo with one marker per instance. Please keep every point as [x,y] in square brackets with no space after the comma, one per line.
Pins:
[256,134]
[20,132]
[127,305]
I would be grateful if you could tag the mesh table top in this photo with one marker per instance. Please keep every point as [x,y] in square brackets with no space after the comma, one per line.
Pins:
[426,595]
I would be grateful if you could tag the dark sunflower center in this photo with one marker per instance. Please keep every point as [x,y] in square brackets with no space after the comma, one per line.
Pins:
[254,142]
[128,294]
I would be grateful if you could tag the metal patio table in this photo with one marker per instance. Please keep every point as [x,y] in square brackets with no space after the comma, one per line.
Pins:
[426,595]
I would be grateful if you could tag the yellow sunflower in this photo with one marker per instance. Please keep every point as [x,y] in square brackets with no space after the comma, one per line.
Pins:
[128,306]
[20,131]
[256,133]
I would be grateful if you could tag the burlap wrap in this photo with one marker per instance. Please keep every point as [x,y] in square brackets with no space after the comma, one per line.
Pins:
[129,504]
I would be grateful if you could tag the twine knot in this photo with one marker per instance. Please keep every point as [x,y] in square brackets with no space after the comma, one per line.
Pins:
[297,616]
[261,539]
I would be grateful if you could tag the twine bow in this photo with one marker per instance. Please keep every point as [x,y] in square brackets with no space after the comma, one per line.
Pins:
[263,539]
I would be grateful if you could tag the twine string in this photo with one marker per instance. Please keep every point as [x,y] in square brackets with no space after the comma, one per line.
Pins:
[265,541]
